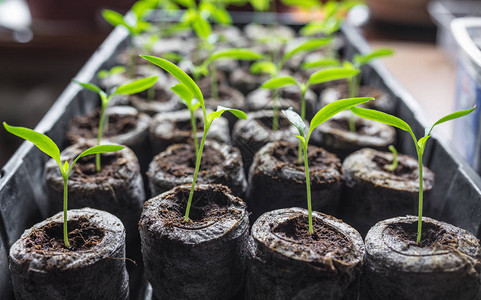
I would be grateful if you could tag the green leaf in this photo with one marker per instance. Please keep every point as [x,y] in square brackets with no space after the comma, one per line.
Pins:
[382,117]
[186,3]
[114,18]
[331,74]
[91,87]
[201,27]
[333,108]
[103,74]
[235,53]
[260,5]
[278,82]
[136,86]
[422,142]
[327,27]
[219,15]
[306,4]
[303,140]
[221,109]
[323,62]
[183,92]
[295,120]
[65,168]
[177,73]
[266,67]
[450,117]
[309,45]
[101,149]
[360,60]
[43,142]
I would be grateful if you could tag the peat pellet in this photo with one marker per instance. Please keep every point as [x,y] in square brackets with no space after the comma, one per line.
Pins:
[285,262]
[277,180]
[199,259]
[335,136]
[175,128]
[175,166]
[244,81]
[445,265]
[373,193]
[41,267]
[251,134]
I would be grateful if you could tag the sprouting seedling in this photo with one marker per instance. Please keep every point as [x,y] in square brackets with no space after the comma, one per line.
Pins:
[316,78]
[187,81]
[321,116]
[109,73]
[130,88]
[47,146]
[419,144]
[273,69]
[192,104]
[208,67]
[392,167]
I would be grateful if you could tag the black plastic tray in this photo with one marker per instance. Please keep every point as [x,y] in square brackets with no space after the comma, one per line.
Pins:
[456,197]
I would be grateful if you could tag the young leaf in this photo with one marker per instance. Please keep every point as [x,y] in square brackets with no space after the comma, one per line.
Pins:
[306,4]
[323,62]
[186,3]
[114,18]
[220,16]
[333,108]
[382,117]
[295,120]
[454,115]
[177,73]
[91,87]
[136,86]
[101,149]
[260,5]
[235,53]
[422,142]
[266,67]
[360,60]
[278,82]
[172,56]
[221,109]
[201,27]
[183,92]
[43,142]
[331,74]
[308,45]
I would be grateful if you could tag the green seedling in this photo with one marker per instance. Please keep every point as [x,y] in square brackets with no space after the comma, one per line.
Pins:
[392,167]
[47,146]
[109,73]
[321,116]
[130,88]
[419,144]
[194,89]
[192,104]
[316,78]
[273,69]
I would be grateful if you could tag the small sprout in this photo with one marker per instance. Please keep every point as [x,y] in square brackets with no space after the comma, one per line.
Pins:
[192,104]
[316,78]
[392,167]
[419,144]
[195,91]
[321,116]
[109,73]
[130,88]
[47,146]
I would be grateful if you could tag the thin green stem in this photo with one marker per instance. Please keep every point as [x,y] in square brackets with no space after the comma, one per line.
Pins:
[275,118]
[65,197]
[151,94]
[303,116]
[394,164]
[196,171]
[308,187]
[99,136]
[194,130]
[420,210]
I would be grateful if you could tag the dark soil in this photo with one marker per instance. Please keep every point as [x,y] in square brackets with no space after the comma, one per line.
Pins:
[110,164]
[402,171]
[267,122]
[49,239]
[160,95]
[87,126]
[207,208]
[182,161]
[432,235]
[343,124]
[324,241]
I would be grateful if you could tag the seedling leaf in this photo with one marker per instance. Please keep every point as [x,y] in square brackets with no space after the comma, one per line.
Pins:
[235,53]
[201,27]
[295,120]
[278,82]
[323,62]
[331,74]
[454,115]
[91,87]
[360,60]
[177,73]
[43,142]
[136,86]
[266,67]
[306,4]
[101,149]
[382,117]
[221,109]
[308,45]
[114,18]
[422,142]
[183,92]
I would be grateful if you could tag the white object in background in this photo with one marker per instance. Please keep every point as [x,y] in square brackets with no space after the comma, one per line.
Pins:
[15,16]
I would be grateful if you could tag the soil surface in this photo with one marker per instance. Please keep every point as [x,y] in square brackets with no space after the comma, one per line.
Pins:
[325,241]
[267,122]
[432,235]
[87,126]
[110,164]
[361,128]
[403,171]
[49,239]
[159,95]
[182,161]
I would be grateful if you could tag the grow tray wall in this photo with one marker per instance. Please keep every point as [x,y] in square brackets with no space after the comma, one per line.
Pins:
[456,197]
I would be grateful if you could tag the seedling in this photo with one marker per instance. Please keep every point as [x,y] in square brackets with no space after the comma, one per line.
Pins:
[192,104]
[316,78]
[321,116]
[419,144]
[47,146]
[194,89]
[273,69]
[109,73]
[392,167]
[130,88]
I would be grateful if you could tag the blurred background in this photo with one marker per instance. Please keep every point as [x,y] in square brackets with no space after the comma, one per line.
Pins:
[44,43]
